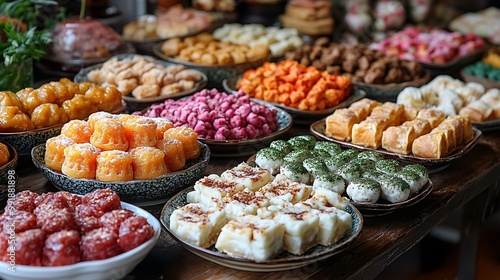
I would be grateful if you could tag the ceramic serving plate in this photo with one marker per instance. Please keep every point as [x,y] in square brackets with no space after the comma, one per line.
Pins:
[6,170]
[116,267]
[382,207]
[215,73]
[300,116]
[139,192]
[137,104]
[433,165]
[284,261]
[24,141]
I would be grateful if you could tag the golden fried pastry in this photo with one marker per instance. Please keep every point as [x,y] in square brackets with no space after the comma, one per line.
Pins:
[170,89]
[435,117]
[456,125]
[148,163]
[109,134]
[391,112]
[189,139]
[420,126]
[162,125]
[54,151]
[104,98]
[175,158]
[339,124]
[410,113]
[114,165]
[431,145]
[61,91]
[77,130]
[450,136]
[146,91]
[468,132]
[172,47]
[78,107]
[12,119]
[4,154]
[127,117]
[48,114]
[399,139]
[37,97]
[80,161]
[8,98]
[93,118]
[368,133]
[140,132]
[363,107]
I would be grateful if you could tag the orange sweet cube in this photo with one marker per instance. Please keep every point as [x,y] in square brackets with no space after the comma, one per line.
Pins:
[77,130]
[54,151]
[140,132]
[80,161]
[189,139]
[148,163]
[114,165]
[109,134]
[175,158]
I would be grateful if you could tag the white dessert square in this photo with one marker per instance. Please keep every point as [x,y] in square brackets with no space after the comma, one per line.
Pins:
[213,188]
[252,238]
[333,223]
[253,178]
[245,202]
[197,224]
[281,190]
[301,226]
[322,197]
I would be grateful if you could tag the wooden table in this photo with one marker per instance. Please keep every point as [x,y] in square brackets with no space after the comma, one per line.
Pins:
[471,183]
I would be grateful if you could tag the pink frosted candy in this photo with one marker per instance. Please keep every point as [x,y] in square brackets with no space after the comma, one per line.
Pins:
[222,133]
[252,131]
[220,122]
[238,133]
[237,121]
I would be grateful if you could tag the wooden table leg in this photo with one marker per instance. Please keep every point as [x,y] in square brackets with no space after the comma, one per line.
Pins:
[475,213]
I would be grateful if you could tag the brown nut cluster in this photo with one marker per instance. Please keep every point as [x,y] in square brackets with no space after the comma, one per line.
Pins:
[364,64]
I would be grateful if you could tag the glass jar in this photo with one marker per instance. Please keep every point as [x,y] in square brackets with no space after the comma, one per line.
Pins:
[16,76]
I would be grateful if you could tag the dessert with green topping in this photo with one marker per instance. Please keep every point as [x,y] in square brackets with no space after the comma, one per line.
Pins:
[315,166]
[328,147]
[350,171]
[329,181]
[394,189]
[298,156]
[270,159]
[295,171]
[364,190]
[371,155]
[282,146]
[388,166]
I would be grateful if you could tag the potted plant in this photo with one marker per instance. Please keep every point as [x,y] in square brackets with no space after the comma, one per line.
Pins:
[24,37]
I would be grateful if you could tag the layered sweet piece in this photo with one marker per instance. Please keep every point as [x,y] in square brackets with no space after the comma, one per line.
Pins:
[426,133]
[246,213]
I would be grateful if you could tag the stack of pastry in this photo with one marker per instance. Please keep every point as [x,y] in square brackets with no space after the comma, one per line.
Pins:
[309,17]
[120,148]
[400,129]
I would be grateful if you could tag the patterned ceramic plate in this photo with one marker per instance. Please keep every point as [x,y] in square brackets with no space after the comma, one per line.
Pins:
[138,192]
[433,165]
[6,170]
[24,141]
[283,261]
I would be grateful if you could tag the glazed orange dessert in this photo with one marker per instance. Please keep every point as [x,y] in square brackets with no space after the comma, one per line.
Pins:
[189,139]
[97,116]
[162,125]
[4,154]
[13,119]
[175,159]
[48,114]
[114,165]
[77,130]
[148,163]
[80,161]
[140,132]
[109,134]
[120,147]
[55,103]
[54,151]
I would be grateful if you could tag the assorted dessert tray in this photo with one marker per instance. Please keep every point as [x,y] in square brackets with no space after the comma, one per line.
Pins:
[133,130]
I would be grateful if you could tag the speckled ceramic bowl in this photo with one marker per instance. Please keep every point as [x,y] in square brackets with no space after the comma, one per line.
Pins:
[215,73]
[4,171]
[24,141]
[116,267]
[138,192]
[283,261]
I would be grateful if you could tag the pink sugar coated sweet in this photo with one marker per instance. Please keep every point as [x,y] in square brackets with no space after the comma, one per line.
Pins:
[218,115]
